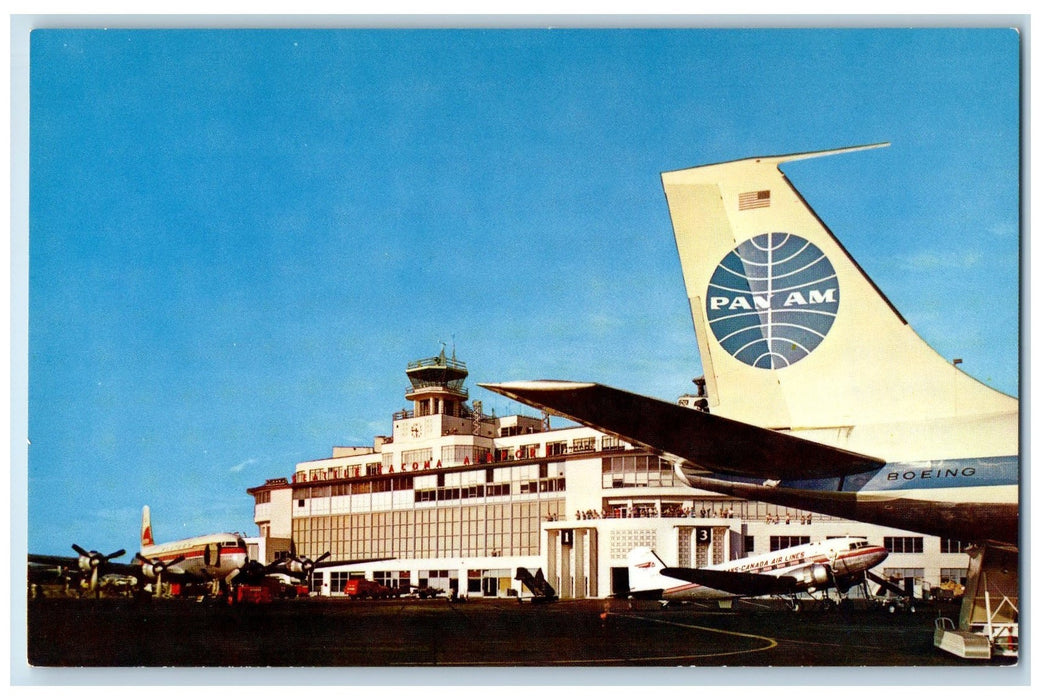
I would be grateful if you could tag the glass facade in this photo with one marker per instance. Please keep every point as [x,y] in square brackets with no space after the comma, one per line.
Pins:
[625,471]
[491,511]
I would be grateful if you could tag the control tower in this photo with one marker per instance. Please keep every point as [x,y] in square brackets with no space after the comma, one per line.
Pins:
[437,386]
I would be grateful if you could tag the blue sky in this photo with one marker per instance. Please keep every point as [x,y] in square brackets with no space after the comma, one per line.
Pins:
[238,239]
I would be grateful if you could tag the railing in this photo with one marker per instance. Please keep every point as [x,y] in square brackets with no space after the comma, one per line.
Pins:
[499,456]
[439,361]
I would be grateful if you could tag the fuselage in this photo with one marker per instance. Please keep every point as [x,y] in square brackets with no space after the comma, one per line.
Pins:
[815,566]
[205,557]
[957,478]
[845,555]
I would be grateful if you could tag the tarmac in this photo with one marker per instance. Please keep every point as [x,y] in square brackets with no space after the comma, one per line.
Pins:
[385,637]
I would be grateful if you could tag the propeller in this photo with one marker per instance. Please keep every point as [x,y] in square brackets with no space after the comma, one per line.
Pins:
[251,570]
[155,568]
[301,567]
[93,561]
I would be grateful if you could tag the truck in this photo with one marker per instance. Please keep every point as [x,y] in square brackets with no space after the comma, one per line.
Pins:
[364,588]
[284,586]
[247,594]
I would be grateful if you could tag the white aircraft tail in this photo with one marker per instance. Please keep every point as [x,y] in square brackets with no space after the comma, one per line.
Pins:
[146,528]
[645,571]
[792,332]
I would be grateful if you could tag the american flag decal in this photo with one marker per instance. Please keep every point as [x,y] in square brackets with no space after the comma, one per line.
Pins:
[753,200]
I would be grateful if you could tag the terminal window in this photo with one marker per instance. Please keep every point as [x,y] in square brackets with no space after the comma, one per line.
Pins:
[903,545]
[556,448]
[337,580]
[901,574]
[583,444]
[631,470]
[784,541]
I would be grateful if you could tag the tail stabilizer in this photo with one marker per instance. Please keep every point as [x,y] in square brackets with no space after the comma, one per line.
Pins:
[792,333]
[146,528]
[645,569]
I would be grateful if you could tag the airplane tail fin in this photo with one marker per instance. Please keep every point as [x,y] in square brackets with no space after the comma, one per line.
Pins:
[146,528]
[792,333]
[645,571]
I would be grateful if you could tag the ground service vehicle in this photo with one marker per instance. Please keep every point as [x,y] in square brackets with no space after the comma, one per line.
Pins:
[364,588]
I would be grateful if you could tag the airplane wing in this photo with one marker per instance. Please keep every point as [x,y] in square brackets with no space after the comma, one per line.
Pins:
[302,567]
[737,582]
[55,561]
[46,561]
[347,562]
[709,441]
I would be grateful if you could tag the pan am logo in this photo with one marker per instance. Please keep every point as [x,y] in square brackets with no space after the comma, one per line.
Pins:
[772,300]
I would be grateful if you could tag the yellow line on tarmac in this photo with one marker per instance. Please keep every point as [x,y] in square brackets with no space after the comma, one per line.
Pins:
[770,644]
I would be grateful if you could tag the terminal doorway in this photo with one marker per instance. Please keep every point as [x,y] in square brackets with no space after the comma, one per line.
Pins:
[494,581]
[620,581]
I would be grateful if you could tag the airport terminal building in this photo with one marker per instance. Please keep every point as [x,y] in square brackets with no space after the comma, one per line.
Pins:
[457,500]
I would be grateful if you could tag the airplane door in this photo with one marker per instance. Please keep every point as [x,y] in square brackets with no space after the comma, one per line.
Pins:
[212,555]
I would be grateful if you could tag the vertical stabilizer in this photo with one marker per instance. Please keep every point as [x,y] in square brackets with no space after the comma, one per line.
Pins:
[792,333]
[146,528]
[645,571]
